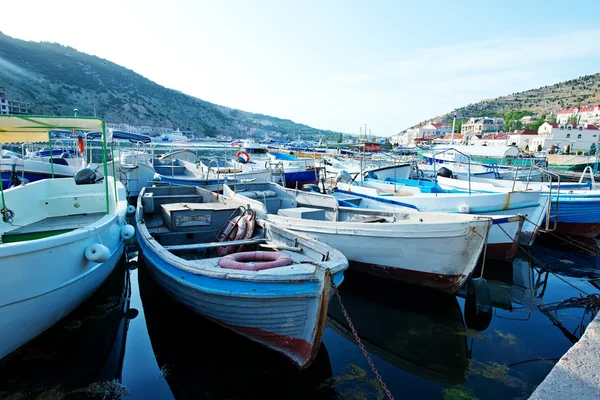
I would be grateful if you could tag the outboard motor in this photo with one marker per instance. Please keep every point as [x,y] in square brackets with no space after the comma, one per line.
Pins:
[311,187]
[85,176]
[343,176]
[444,172]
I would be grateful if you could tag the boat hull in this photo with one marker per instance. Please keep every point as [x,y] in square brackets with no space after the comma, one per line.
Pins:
[452,253]
[25,318]
[300,178]
[286,317]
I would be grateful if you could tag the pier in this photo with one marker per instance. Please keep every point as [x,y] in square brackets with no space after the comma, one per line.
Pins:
[577,374]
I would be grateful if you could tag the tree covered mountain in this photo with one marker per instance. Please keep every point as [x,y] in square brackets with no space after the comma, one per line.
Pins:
[55,79]
[542,101]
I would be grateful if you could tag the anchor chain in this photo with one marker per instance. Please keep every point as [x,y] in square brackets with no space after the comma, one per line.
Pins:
[359,342]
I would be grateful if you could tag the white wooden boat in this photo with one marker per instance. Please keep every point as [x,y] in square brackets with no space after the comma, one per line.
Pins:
[575,207]
[283,307]
[439,250]
[507,211]
[182,167]
[59,240]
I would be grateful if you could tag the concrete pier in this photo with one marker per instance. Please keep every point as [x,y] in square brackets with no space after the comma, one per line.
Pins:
[577,375]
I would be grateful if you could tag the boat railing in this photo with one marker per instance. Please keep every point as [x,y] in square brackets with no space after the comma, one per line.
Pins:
[549,175]
[590,171]
[467,156]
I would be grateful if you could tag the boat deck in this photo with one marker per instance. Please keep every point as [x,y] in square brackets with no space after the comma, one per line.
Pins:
[51,226]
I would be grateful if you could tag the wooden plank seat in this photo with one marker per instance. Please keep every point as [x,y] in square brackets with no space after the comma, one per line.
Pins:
[200,246]
[178,196]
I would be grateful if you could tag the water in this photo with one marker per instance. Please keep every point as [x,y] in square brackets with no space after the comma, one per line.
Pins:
[131,340]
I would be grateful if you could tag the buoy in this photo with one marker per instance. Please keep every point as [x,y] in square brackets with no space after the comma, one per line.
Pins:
[130,209]
[97,252]
[127,232]
[464,208]
[255,260]
[478,305]
[243,157]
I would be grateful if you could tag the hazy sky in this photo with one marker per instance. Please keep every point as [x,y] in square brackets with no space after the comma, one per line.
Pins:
[329,64]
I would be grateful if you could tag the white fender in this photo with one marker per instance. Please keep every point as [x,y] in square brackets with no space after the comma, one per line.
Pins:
[127,232]
[97,253]
[464,208]
[130,209]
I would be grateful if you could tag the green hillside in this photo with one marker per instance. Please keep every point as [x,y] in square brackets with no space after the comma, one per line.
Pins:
[541,101]
[55,79]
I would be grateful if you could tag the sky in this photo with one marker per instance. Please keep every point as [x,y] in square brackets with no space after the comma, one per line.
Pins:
[329,64]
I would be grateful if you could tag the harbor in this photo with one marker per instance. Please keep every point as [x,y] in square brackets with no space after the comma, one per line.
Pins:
[132,340]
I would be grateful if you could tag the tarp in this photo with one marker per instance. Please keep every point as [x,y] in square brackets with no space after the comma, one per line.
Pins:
[132,137]
[27,128]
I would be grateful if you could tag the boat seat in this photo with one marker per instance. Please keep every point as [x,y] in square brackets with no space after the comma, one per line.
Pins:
[51,226]
[303,213]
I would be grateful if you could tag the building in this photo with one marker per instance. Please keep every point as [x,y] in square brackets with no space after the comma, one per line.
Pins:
[525,139]
[435,129]
[481,125]
[490,139]
[578,137]
[589,114]
[11,106]
[3,101]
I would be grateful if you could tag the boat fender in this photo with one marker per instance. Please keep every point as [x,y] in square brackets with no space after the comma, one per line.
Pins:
[478,305]
[242,226]
[242,157]
[255,260]
[97,253]
[130,209]
[228,234]
[127,232]
[464,208]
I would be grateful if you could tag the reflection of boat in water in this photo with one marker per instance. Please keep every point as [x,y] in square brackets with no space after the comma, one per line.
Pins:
[86,347]
[200,359]
[416,330]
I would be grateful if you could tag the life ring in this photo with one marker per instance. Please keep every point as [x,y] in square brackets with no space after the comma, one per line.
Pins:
[255,260]
[80,144]
[245,156]
[228,234]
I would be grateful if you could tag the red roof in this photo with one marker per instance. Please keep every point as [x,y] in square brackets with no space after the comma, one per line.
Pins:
[495,136]
[441,125]
[525,132]
[590,127]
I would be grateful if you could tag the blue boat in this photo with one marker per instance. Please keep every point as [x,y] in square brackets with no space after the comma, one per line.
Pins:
[263,282]
[297,171]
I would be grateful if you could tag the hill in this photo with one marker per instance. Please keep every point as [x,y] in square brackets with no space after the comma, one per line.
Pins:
[541,101]
[55,79]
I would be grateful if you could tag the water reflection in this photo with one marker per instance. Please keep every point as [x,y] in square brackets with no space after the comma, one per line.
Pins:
[419,331]
[200,359]
[81,356]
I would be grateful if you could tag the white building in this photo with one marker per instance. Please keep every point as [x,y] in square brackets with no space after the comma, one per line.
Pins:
[526,139]
[435,129]
[579,137]
[3,101]
[583,114]
[480,125]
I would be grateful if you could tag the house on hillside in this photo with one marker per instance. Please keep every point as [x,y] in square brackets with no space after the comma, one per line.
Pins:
[589,114]
[12,106]
[436,129]
[525,139]
[490,139]
[579,137]
[481,125]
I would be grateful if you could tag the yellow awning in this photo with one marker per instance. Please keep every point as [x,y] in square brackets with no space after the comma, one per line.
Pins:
[27,128]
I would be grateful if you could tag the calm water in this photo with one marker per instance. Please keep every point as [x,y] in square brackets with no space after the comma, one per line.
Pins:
[131,340]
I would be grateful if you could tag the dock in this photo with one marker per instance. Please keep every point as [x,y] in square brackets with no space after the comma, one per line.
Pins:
[577,374]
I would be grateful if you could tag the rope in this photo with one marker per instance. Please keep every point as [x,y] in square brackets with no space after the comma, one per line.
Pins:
[570,241]
[359,342]
[539,263]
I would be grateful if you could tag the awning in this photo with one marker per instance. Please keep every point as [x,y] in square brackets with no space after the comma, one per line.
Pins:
[27,128]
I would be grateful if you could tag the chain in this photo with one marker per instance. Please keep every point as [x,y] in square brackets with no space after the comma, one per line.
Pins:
[359,342]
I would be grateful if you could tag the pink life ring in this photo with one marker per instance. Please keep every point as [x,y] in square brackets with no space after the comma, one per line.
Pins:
[255,260]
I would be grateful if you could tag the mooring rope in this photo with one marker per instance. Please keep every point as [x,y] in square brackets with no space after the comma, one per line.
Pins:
[359,342]
[581,246]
